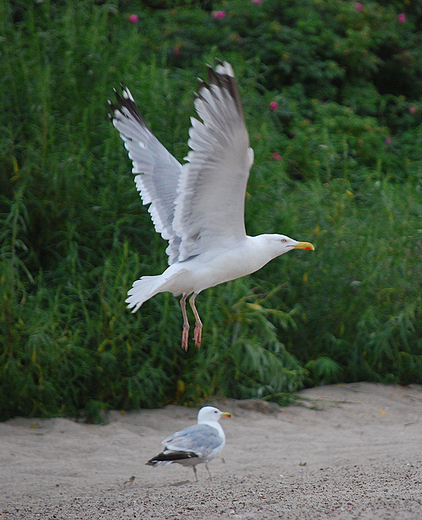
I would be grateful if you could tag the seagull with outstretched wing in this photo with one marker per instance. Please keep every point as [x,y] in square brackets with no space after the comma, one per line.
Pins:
[198,207]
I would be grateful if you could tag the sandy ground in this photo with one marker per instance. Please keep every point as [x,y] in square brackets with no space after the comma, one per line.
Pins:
[354,452]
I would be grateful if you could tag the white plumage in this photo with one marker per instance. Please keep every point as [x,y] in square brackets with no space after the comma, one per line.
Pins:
[198,206]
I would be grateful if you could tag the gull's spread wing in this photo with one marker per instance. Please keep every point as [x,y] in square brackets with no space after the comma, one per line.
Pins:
[156,171]
[211,194]
[199,206]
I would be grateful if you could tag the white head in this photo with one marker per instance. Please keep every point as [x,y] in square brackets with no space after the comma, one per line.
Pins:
[209,414]
[280,244]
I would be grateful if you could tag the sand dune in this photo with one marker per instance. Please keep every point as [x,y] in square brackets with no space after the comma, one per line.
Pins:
[353,452]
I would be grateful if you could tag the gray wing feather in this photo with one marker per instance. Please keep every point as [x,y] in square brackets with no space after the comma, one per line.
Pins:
[200,205]
[200,439]
[210,204]
[156,171]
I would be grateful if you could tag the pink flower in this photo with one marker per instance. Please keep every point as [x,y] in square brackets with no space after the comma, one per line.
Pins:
[259,2]
[176,51]
[358,7]
[402,18]
[388,141]
[412,109]
[133,18]
[273,105]
[219,14]
[277,157]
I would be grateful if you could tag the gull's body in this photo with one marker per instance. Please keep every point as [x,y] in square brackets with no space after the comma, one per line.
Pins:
[198,207]
[212,267]
[196,444]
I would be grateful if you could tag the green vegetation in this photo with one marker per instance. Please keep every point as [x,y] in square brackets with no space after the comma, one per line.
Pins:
[338,163]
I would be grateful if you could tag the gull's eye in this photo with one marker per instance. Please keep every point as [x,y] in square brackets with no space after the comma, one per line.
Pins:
[283,240]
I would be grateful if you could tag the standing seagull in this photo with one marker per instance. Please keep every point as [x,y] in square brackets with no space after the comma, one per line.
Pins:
[198,207]
[196,444]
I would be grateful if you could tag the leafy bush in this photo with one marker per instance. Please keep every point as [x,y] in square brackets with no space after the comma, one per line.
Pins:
[331,102]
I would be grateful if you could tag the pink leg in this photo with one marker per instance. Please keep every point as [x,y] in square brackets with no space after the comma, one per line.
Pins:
[198,325]
[185,333]
[194,470]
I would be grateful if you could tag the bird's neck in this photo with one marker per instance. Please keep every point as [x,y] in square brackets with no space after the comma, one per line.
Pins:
[218,427]
[261,249]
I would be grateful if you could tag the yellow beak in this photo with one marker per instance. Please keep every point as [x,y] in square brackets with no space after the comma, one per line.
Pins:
[305,245]
[226,414]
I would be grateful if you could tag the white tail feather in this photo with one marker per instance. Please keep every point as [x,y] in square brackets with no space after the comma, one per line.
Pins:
[142,290]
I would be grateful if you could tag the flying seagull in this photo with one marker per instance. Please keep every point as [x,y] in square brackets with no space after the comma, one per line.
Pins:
[196,444]
[198,207]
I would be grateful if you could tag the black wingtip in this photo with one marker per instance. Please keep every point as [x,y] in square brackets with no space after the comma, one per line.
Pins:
[226,82]
[172,456]
[201,84]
